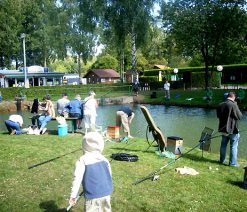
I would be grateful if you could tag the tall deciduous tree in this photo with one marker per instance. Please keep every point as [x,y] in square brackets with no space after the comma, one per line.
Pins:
[130,17]
[10,26]
[84,19]
[206,27]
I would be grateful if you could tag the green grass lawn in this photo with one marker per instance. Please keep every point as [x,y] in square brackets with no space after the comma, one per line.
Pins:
[47,187]
[180,97]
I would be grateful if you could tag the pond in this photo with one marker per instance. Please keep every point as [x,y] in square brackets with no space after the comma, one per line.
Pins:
[183,122]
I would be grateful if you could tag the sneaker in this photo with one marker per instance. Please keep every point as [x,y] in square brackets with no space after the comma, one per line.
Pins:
[43,131]
[13,132]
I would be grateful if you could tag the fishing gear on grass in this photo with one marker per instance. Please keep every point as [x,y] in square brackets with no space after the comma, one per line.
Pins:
[124,157]
[154,175]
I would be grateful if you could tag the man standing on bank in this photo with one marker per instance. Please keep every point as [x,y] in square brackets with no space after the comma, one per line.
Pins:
[167,90]
[124,117]
[228,114]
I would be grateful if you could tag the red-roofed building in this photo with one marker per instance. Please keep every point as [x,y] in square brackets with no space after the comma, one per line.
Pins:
[102,76]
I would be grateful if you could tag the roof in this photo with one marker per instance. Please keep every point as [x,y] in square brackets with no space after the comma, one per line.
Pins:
[104,73]
[160,66]
[20,74]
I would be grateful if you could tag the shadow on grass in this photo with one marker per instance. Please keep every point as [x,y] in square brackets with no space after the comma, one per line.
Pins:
[200,159]
[51,206]
[239,184]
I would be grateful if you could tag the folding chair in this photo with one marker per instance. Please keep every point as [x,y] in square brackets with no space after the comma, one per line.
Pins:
[156,132]
[205,140]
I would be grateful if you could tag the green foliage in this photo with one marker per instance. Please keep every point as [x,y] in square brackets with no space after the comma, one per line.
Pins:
[207,28]
[106,62]
[142,62]
[10,28]
[66,66]
[197,80]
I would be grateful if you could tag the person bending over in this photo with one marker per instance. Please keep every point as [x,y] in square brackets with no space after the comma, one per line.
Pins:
[124,117]
[14,124]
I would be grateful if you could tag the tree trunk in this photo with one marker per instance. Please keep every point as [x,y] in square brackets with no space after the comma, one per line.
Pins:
[133,54]
[79,64]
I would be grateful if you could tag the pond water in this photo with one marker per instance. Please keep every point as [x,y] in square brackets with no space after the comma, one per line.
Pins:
[183,122]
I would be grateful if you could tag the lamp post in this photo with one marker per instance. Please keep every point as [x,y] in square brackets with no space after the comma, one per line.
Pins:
[219,69]
[23,36]
[175,72]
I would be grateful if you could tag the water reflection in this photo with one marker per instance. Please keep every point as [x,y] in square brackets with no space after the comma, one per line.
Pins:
[186,123]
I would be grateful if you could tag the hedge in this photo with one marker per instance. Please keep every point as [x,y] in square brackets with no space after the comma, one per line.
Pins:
[56,91]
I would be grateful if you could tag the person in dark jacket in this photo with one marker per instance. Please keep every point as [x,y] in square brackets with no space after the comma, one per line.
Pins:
[35,106]
[228,114]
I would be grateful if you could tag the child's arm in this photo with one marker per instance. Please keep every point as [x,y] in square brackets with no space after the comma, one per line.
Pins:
[78,177]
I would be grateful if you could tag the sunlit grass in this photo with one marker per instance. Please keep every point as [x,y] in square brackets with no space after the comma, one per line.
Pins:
[47,187]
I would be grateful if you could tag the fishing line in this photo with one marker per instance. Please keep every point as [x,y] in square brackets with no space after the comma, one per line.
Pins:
[154,175]
[47,161]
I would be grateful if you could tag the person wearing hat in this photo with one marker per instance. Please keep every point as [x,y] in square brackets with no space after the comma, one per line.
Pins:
[75,108]
[90,105]
[61,103]
[93,172]
[124,117]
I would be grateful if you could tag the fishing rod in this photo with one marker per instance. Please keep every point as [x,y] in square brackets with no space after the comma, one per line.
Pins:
[77,198]
[47,161]
[154,175]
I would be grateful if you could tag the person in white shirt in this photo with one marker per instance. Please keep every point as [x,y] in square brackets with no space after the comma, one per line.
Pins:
[90,105]
[167,90]
[14,124]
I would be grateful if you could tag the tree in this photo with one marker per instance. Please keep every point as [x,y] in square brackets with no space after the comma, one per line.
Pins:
[106,62]
[84,18]
[206,27]
[130,17]
[10,26]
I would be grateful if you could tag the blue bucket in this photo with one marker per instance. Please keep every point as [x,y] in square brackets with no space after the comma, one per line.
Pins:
[62,129]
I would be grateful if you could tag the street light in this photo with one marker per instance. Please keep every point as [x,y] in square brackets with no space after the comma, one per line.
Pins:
[23,36]
[219,69]
[175,72]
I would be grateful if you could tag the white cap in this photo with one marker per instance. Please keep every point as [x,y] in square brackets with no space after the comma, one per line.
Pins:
[93,142]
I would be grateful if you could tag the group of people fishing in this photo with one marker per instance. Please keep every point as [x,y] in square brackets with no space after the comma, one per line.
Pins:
[93,170]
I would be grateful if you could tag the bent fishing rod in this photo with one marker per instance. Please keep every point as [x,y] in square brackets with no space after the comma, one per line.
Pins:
[154,175]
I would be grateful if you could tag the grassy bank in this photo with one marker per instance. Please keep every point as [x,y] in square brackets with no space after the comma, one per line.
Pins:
[191,98]
[47,187]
